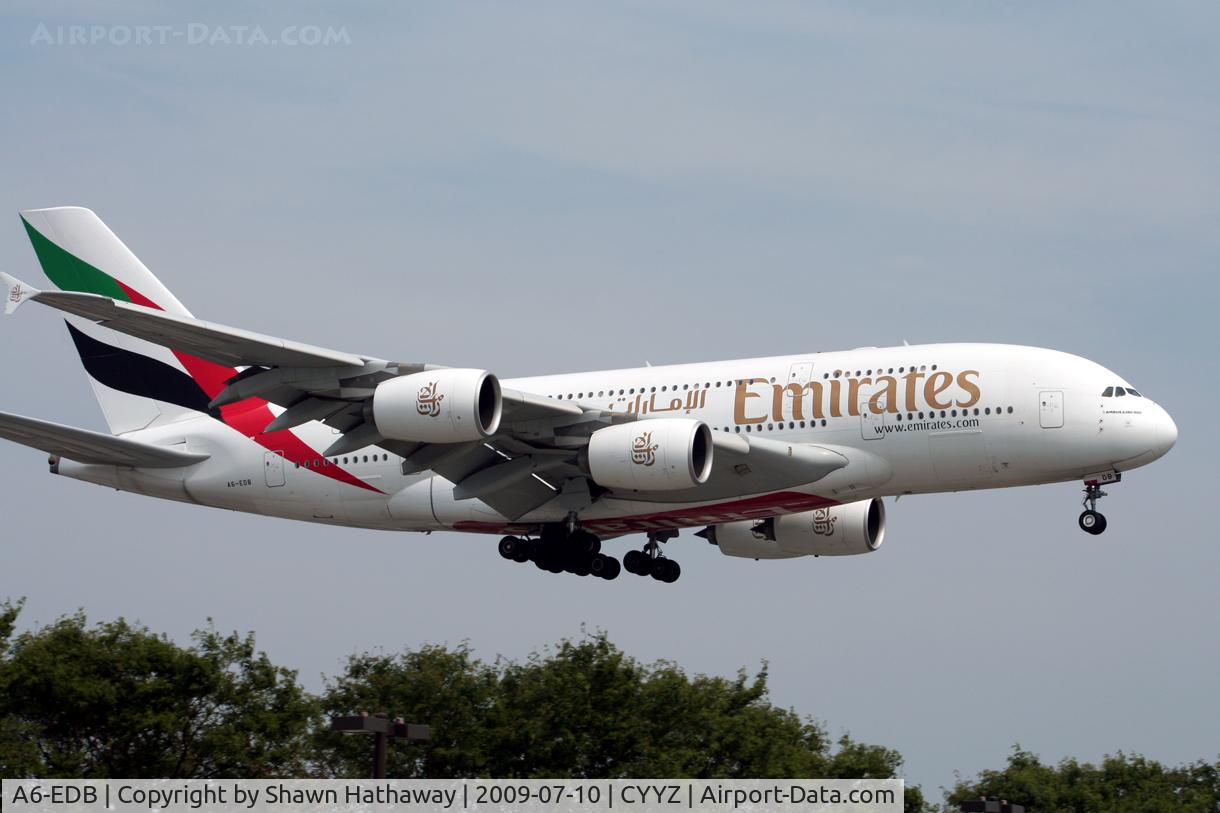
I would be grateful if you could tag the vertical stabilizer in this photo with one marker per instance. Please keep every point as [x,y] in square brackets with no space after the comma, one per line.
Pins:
[138,384]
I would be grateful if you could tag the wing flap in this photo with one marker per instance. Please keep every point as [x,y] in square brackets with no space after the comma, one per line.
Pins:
[86,446]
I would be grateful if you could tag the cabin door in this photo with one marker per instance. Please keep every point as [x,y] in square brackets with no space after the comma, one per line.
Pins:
[1050,409]
[273,468]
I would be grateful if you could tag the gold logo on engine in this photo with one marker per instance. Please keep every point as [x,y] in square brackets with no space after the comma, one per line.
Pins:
[428,402]
[643,450]
[823,522]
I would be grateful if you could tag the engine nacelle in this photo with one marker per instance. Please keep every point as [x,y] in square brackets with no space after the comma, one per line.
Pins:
[440,406]
[839,530]
[662,454]
[748,539]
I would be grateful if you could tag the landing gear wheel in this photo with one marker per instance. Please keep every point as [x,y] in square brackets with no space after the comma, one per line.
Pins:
[586,543]
[509,547]
[604,567]
[666,570]
[637,563]
[1092,522]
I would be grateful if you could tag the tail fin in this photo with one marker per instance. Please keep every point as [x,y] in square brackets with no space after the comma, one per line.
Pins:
[138,384]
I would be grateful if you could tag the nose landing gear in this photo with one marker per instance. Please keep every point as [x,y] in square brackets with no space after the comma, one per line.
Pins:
[1091,520]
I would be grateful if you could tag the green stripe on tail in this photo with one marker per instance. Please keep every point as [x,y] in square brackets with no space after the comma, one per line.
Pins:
[70,273]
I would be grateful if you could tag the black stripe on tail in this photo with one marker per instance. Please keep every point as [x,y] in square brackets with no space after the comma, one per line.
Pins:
[138,375]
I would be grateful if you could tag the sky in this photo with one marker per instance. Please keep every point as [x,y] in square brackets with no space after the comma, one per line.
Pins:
[551,187]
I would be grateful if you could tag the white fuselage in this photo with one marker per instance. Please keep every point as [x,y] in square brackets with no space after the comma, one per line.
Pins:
[917,419]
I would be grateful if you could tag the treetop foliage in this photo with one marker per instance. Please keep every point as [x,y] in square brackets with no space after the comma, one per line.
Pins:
[114,699]
[1122,783]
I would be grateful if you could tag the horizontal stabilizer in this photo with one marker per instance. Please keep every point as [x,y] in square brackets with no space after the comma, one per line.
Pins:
[85,446]
[15,292]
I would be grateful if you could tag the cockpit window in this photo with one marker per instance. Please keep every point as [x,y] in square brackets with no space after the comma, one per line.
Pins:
[1119,392]
[1133,392]
[1108,393]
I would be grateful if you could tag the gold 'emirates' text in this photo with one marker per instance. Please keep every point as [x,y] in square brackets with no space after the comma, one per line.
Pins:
[826,398]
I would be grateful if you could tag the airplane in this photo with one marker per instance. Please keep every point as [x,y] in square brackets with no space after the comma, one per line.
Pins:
[772,458]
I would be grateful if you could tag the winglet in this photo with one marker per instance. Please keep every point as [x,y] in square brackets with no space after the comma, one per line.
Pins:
[15,292]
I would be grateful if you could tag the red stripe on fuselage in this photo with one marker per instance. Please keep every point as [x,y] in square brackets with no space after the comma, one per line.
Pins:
[760,507]
[253,414]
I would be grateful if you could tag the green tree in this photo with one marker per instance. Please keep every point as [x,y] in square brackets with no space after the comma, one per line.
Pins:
[18,752]
[451,690]
[113,699]
[582,709]
[1122,783]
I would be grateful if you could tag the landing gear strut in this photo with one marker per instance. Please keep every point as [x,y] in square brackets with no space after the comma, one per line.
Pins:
[651,562]
[1092,521]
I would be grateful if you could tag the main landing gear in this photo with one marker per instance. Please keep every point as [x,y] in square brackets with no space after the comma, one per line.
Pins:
[559,550]
[564,550]
[1092,521]
[651,562]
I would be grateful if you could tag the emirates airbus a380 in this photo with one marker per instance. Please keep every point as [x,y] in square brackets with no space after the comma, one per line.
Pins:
[773,458]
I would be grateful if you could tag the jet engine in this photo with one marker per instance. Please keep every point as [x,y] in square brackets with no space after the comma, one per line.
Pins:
[662,454]
[839,530]
[439,406]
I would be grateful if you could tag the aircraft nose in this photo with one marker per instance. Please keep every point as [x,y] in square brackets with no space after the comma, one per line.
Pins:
[1145,438]
[1166,431]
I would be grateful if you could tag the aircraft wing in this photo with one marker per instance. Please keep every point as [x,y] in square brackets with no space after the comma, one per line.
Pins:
[224,345]
[86,446]
[532,459]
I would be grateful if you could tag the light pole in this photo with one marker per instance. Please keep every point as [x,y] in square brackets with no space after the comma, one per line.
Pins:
[382,728]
